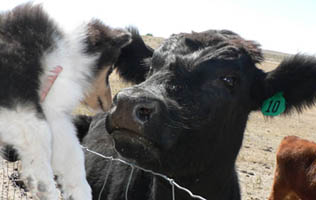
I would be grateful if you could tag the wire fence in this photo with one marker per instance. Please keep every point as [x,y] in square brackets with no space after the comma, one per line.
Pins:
[13,188]
[133,166]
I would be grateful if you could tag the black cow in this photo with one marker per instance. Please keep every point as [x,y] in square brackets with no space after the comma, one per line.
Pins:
[187,119]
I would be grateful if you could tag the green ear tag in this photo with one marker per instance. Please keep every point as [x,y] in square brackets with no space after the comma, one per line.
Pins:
[273,106]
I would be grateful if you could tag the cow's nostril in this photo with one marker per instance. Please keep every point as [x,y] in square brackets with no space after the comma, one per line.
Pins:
[144,113]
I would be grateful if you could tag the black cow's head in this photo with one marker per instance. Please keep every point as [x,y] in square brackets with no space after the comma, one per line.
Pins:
[187,119]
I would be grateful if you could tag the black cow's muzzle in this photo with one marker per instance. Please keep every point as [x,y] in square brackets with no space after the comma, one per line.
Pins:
[133,114]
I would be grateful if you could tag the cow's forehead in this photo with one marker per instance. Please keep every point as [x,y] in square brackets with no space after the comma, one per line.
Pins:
[211,44]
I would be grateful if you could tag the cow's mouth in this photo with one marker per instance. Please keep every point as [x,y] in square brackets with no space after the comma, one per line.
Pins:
[134,146]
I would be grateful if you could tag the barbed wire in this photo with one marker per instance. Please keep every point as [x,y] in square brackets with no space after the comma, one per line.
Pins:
[133,166]
[11,189]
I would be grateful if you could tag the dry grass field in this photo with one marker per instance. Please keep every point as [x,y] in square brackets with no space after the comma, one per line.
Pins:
[256,160]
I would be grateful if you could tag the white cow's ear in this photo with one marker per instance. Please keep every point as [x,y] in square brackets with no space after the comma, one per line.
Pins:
[294,78]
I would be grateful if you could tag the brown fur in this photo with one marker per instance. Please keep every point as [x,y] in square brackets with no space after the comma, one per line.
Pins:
[100,98]
[295,174]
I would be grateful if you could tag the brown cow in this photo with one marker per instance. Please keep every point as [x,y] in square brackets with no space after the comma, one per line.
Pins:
[295,174]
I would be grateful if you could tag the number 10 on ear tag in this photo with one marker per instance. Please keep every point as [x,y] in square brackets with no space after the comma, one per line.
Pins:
[273,106]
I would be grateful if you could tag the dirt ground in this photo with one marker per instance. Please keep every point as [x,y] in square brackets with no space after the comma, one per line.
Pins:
[256,160]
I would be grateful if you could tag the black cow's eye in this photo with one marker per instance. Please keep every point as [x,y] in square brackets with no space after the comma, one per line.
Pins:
[230,81]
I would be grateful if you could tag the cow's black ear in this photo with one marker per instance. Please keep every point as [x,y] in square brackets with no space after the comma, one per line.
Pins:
[294,78]
[131,64]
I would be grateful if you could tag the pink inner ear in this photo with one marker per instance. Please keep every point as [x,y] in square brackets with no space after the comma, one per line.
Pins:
[50,81]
